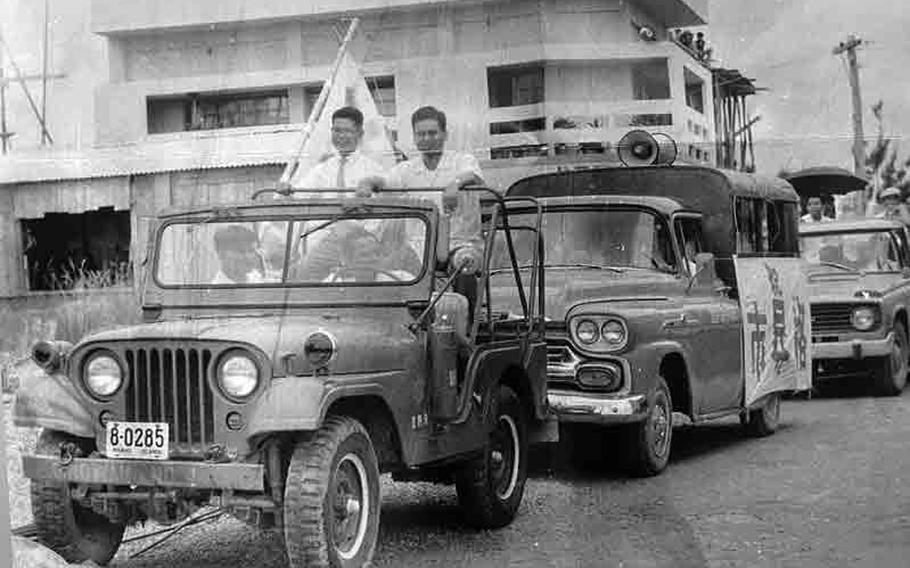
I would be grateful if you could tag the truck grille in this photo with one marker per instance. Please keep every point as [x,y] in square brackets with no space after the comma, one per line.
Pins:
[831,319]
[171,385]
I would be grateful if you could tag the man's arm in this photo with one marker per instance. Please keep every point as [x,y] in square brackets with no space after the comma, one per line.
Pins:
[469,173]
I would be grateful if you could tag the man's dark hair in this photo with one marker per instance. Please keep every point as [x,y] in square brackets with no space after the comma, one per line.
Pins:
[350,113]
[235,237]
[429,113]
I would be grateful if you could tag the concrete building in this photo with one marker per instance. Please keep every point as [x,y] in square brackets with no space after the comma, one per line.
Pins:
[201,101]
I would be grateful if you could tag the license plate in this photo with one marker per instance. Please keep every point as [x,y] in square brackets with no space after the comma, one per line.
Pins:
[137,440]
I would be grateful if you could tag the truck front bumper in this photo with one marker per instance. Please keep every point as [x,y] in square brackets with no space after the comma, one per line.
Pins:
[853,348]
[599,409]
[146,473]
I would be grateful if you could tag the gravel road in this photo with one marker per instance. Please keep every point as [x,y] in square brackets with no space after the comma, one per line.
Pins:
[829,489]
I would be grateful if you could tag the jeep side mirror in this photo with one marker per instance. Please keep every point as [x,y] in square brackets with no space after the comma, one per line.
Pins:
[705,274]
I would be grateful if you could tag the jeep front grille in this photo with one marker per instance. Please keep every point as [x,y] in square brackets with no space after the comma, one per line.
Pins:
[171,385]
[831,319]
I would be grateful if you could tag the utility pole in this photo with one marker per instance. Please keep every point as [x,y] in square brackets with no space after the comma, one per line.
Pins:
[44,136]
[859,152]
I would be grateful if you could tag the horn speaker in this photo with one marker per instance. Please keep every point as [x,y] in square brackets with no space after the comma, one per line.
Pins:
[641,148]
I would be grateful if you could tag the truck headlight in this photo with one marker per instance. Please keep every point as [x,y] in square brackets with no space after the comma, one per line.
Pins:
[613,332]
[863,318]
[238,375]
[103,374]
[586,332]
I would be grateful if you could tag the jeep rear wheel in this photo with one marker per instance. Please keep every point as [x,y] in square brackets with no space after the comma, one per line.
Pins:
[491,486]
[891,376]
[763,421]
[74,532]
[648,442]
[331,497]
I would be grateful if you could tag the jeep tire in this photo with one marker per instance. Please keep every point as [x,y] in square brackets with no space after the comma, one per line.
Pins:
[891,373]
[764,420]
[490,487]
[647,444]
[331,497]
[74,532]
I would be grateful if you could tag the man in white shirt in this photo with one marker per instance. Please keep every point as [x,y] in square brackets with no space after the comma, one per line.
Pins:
[894,207]
[240,261]
[346,167]
[814,212]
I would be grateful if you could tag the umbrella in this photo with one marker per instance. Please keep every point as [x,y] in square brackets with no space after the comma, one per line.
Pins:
[823,181]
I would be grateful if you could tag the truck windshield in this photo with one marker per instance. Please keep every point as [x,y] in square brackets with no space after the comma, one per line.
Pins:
[869,251]
[592,239]
[315,251]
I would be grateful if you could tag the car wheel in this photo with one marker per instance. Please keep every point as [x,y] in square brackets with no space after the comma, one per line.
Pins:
[763,421]
[331,497]
[891,376]
[76,533]
[490,487]
[648,442]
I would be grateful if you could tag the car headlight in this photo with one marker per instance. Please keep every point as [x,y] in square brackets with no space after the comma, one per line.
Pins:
[103,375]
[614,333]
[586,332]
[863,319]
[238,376]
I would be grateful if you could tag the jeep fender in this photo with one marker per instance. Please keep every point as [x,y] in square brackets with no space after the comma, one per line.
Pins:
[52,401]
[300,403]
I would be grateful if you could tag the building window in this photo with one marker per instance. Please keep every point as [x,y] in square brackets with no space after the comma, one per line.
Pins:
[695,91]
[515,85]
[629,120]
[382,88]
[86,250]
[516,126]
[211,111]
[650,80]
[524,151]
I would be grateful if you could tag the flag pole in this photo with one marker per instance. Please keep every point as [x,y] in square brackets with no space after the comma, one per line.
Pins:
[292,165]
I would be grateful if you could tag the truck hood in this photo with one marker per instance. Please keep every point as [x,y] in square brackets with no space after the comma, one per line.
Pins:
[364,341]
[566,288]
[835,285]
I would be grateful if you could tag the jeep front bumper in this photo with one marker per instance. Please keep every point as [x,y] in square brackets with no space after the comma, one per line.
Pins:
[599,409]
[853,348]
[147,473]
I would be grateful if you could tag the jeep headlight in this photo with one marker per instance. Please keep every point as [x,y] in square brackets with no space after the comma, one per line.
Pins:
[103,375]
[238,375]
[586,332]
[613,332]
[863,318]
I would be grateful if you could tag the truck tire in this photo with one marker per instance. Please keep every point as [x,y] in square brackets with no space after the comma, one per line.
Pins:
[891,374]
[648,443]
[763,421]
[74,532]
[490,487]
[331,497]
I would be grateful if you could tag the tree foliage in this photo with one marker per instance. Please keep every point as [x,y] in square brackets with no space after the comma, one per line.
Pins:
[882,161]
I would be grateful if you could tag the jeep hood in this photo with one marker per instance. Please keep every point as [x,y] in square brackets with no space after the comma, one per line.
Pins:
[364,342]
[840,286]
[566,288]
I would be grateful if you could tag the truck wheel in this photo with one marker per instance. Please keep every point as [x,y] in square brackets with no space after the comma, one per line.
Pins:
[490,487]
[331,497]
[891,376]
[74,532]
[648,442]
[763,421]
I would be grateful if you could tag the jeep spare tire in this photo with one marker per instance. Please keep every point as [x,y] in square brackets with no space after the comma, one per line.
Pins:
[490,487]
[331,497]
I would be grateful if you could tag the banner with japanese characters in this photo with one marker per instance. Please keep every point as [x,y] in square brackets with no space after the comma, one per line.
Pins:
[777,336]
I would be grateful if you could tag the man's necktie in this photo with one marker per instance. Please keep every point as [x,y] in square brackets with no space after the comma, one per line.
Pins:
[339,181]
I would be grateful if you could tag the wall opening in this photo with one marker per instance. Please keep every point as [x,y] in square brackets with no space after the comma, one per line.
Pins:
[212,111]
[66,250]
[515,85]
[695,91]
[650,80]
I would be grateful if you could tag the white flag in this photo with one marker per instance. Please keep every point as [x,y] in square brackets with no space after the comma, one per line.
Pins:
[348,89]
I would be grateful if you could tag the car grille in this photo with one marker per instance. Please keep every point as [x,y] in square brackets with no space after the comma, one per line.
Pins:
[171,385]
[831,318]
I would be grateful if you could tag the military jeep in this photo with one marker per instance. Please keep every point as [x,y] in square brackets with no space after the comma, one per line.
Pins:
[293,350]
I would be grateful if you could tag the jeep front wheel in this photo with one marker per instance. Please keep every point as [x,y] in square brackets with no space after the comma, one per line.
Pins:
[74,532]
[331,497]
[891,375]
[490,487]
[648,442]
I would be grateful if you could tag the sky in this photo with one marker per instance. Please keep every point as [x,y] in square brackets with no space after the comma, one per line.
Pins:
[785,45]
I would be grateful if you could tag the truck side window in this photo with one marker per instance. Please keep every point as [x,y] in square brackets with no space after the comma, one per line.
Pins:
[688,232]
[751,225]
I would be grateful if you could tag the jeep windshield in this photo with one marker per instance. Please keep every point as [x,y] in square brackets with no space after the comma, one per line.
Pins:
[868,251]
[319,250]
[591,239]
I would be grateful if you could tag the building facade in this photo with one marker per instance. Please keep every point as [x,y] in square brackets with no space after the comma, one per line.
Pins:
[204,101]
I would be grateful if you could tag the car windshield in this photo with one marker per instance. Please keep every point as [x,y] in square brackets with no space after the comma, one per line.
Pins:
[592,239]
[320,251]
[871,251]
